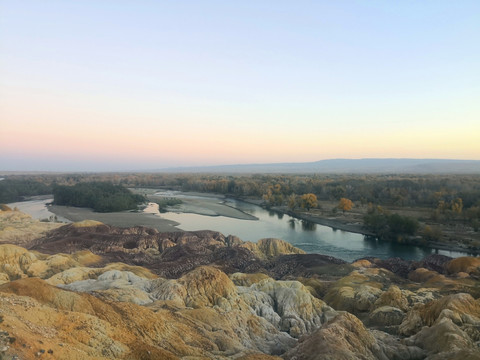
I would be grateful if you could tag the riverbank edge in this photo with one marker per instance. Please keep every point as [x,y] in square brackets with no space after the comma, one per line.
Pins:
[332,223]
[187,207]
[337,224]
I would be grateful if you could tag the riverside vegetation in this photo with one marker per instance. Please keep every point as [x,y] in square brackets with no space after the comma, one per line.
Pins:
[439,209]
[92,291]
[100,196]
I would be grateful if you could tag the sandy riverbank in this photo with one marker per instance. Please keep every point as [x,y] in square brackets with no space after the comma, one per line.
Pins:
[122,219]
[194,203]
[335,223]
[347,224]
[198,203]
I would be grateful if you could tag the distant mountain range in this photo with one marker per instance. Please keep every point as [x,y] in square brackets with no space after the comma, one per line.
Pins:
[347,166]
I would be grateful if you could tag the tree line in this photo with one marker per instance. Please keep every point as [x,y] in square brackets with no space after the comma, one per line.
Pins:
[13,189]
[450,197]
[99,196]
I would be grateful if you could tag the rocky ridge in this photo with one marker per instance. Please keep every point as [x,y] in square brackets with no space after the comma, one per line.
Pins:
[93,291]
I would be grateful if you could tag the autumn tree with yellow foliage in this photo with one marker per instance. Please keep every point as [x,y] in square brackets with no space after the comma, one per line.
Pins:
[308,201]
[292,202]
[345,204]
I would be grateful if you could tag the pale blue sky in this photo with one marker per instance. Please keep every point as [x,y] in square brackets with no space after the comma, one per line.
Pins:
[91,85]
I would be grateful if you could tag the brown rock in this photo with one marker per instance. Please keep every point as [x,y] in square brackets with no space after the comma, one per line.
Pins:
[460,308]
[90,328]
[443,336]
[270,248]
[466,264]
[241,279]
[386,316]
[393,297]
[206,286]
[421,275]
[21,229]
[346,338]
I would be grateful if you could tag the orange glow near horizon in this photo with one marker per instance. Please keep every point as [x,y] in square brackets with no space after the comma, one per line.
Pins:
[55,130]
[268,90]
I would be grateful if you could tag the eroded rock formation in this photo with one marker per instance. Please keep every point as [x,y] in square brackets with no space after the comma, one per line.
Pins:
[90,291]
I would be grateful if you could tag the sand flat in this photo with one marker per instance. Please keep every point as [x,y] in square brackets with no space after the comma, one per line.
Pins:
[203,204]
[122,218]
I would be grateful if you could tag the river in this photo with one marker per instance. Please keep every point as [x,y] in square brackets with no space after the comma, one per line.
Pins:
[37,209]
[310,237]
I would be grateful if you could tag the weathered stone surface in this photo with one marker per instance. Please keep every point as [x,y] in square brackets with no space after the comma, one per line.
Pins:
[462,309]
[359,291]
[207,286]
[87,223]
[195,310]
[241,279]
[288,305]
[397,266]
[443,336]
[270,248]
[434,262]
[92,328]
[386,316]
[421,275]
[393,297]
[171,255]
[20,229]
[84,273]
[345,337]
[466,264]
[17,262]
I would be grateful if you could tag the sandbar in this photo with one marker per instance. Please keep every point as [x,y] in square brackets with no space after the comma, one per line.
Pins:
[121,219]
[198,203]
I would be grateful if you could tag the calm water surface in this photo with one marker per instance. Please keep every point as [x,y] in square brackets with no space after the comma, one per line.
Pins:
[307,236]
[37,209]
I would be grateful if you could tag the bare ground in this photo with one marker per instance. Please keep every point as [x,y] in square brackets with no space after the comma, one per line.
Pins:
[122,219]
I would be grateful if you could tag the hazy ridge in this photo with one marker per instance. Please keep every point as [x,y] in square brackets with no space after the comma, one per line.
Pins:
[347,166]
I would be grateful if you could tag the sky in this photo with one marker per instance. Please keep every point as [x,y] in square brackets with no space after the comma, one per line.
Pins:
[136,85]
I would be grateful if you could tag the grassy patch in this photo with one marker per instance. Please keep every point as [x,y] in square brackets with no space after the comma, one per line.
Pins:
[164,203]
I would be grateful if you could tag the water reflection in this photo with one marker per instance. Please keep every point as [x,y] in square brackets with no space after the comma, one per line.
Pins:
[38,210]
[308,225]
[291,222]
[308,236]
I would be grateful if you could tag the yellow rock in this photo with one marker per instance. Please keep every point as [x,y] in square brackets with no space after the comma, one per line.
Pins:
[15,260]
[421,275]
[466,264]
[87,223]
[19,228]
[393,297]
[275,247]
[80,326]
[4,278]
[241,279]
[362,263]
[4,207]
[86,257]
[205,286]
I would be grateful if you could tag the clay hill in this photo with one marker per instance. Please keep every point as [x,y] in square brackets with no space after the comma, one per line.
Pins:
[92,291]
